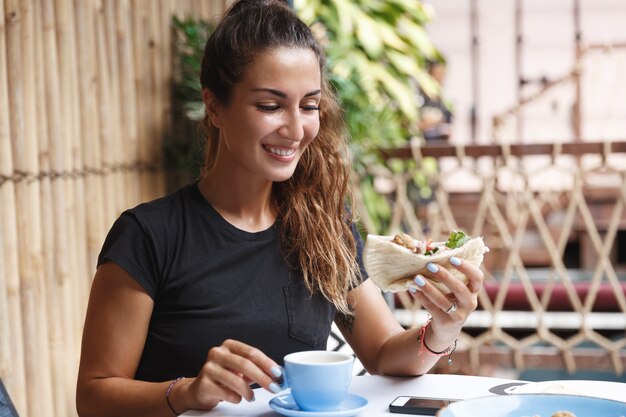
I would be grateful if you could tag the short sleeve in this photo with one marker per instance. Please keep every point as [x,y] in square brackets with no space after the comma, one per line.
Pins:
[128,246]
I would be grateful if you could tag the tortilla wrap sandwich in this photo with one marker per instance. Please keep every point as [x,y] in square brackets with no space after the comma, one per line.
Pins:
[393,261]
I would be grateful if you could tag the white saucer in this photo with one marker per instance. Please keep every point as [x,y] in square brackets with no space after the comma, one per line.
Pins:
[351,406]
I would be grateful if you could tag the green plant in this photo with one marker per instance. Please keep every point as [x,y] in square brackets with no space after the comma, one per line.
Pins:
[377,52]
[183,148]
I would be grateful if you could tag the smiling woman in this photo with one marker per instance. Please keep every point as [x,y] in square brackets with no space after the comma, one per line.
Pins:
[200,294]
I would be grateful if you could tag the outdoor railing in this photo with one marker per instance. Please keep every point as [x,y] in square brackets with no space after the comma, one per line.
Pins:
[553,216]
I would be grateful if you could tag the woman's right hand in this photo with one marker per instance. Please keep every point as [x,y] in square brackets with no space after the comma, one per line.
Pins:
[227,374]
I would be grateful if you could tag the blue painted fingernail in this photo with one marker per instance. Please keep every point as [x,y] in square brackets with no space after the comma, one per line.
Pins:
[276,371]
[455,261]
[412,290]
[419,280]
[274,388]
[432,267]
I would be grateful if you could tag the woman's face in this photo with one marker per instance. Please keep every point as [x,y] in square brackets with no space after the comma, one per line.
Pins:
[272,117]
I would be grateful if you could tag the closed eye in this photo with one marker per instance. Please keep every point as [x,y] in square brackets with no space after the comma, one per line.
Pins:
[267,107]
[310,108]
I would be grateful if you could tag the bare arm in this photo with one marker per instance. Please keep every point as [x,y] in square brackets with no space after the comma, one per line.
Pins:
[384,347]
[115,331]
[114,335]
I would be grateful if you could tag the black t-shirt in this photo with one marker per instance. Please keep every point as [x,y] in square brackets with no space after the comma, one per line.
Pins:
[211,281]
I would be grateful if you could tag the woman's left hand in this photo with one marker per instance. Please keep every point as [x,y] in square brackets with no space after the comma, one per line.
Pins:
[449,311]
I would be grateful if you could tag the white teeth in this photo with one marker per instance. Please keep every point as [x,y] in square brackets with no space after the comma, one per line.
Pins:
[280,152]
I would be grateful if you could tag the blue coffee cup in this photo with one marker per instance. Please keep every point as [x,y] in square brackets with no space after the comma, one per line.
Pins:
[319,380]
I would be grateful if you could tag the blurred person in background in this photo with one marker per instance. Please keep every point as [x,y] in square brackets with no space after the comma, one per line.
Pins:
[436,116]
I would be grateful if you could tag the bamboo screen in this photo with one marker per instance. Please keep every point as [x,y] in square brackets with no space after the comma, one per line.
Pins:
[84,107]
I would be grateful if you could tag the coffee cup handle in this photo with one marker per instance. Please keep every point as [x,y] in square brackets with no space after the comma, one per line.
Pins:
[283,380]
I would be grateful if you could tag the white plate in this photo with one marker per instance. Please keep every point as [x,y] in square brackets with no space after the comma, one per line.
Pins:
[588,388]
[351,406]
[542,405]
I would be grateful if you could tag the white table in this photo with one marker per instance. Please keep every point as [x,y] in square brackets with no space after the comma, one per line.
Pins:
[379,391]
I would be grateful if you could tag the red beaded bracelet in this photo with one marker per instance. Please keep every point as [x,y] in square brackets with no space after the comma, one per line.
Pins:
[167,394]
[421,338]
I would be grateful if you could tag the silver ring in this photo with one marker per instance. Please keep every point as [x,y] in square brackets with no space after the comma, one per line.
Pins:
[452,308]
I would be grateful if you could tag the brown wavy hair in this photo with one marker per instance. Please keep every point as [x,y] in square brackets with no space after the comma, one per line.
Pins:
[314,221]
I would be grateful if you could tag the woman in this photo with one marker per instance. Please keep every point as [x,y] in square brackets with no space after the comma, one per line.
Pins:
[200,294]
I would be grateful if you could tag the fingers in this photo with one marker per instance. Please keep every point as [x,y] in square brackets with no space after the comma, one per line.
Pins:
[463,297]
[426,302]
[436,299]
[229,371]
[253,364]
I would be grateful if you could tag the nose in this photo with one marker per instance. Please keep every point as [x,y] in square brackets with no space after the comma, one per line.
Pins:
[292,127]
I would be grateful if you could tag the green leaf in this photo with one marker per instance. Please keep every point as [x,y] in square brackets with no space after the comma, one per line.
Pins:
[404,63]
[417,36]
[391,39]
[403,94]
[368,36]
[427,83]
[345,10]
[457,239]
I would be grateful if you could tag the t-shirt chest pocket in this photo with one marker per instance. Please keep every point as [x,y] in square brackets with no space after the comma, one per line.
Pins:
[310,316]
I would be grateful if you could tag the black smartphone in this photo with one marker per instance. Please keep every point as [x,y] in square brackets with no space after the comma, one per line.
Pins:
[418,405]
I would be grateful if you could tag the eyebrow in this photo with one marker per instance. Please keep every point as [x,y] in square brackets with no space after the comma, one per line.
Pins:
[283,95]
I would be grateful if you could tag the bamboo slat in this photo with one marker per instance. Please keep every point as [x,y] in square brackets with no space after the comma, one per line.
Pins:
[91,203]
[69,299]
[183,8]
[105,112]
[93,200]
[143,82]
[165,19]
[12,348]
[77,288]
[52,194]
[128,106]
[197,9]
[159,84]
[205,9]
[114,143]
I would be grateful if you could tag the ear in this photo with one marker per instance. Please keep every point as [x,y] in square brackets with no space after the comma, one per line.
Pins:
[211,104]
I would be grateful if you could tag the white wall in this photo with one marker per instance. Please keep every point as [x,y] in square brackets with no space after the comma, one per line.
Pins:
[548,50]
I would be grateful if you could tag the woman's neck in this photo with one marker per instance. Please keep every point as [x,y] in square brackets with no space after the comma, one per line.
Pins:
[246,205]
